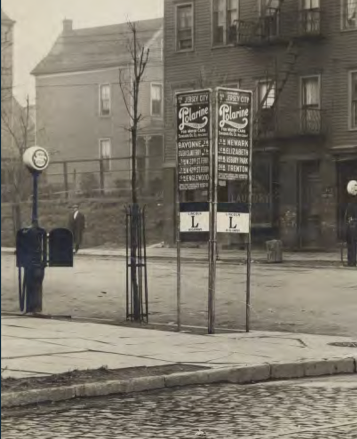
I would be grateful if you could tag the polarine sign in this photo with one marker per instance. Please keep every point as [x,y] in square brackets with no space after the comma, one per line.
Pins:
[193,140]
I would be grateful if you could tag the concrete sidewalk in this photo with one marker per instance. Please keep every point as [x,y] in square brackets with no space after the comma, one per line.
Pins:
[200,254]
[33,347]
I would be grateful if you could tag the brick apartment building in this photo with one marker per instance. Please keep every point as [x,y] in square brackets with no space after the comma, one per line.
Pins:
[300,59]
[80,111]
[7,50]
[7,40]
[14,119]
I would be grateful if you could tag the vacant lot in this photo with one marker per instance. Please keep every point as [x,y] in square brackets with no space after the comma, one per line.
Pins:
[283,298]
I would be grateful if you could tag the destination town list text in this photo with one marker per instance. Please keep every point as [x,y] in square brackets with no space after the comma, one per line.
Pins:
[233,135]
[193,140]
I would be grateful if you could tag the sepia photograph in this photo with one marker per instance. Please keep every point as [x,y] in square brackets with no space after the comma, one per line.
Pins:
[179,219]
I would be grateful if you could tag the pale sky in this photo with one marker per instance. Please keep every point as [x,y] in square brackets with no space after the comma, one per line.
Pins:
[39,22]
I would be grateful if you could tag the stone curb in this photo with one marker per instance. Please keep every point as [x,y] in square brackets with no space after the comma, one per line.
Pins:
[236,375]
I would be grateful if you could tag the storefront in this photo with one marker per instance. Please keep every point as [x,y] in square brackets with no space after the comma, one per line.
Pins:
[265,197]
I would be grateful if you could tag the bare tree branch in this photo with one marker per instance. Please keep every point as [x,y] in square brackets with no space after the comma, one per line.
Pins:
[124,91]
[139,57]
[17,126]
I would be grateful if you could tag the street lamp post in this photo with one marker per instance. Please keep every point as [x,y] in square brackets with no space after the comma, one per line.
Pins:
[32,252]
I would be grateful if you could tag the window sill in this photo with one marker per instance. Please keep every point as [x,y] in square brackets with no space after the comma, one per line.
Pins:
[105,116]
[185,50]
[348,30]
[222,46]
[352,129]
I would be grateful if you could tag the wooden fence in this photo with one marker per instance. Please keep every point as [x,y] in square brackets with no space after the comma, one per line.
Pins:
[96,177]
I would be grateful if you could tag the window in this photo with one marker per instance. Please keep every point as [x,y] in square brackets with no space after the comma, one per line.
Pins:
[269,7]
[310,103]
[310,4]
[162,49]
[353,98]
[156,100]
[225,18]
[349,14]
[105,153]
[311,15]
[267,93]
[311,92]
[104,100]
[266,96]
[5,37]
[269,13]
[184,26]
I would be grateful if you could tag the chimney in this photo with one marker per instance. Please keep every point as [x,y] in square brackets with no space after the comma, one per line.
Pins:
[67,26]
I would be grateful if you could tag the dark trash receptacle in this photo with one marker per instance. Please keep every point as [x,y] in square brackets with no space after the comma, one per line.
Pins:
[60,243]
[274,251]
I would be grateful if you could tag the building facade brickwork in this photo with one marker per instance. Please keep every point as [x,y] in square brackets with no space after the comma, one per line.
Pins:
[7,50]
[81,113]
[305,150]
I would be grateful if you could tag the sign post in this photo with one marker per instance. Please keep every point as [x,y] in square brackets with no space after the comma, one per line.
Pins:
[234,156]
[201,168]
[34,240]
[194,173]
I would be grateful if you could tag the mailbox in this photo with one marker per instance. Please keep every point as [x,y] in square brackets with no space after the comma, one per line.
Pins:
[60,243]
[31,247]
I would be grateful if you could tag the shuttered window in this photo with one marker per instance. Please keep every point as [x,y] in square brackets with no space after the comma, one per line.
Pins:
[184,26]
[349,14]
[225,21]
[105,153]
[104,100]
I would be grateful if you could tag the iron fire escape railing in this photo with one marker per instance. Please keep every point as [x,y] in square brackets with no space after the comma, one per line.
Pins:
[255,32]
[276,83]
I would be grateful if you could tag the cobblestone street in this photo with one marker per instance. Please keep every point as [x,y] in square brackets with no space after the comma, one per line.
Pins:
[310,300]
[313,409]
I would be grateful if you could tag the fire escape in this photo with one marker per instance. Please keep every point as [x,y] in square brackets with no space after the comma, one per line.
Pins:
[268,32]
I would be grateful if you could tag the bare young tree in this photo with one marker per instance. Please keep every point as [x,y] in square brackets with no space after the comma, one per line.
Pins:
[18,128]
[6,66]
[129,81]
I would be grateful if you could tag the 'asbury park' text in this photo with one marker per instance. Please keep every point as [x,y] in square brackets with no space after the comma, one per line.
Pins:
[188,118]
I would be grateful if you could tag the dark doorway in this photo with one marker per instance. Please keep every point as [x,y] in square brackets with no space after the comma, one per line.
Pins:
[309,195]
[346,171]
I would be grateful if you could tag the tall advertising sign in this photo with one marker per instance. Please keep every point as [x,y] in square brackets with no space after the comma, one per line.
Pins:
[194,171]
[233,149]
[202,167]
[234,164]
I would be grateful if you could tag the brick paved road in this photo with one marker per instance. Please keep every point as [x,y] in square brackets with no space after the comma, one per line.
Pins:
[316,409]
[295,299]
